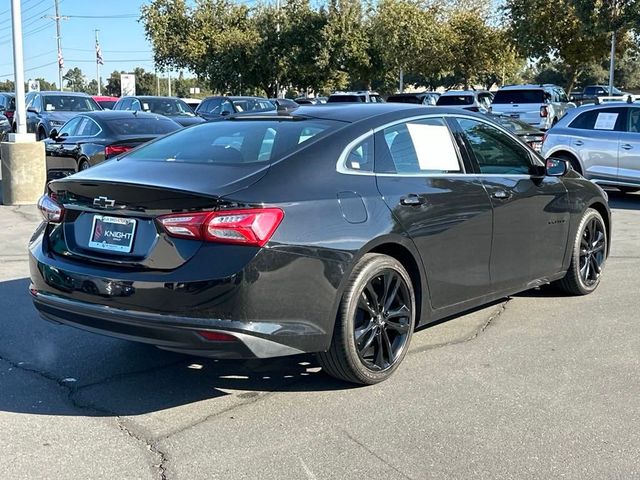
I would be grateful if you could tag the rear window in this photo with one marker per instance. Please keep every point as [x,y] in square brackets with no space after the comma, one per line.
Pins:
[455,100]
[235,142]
[404,99]
[69,103]
[346,99]
[142,126]
[107,104]
[519,96]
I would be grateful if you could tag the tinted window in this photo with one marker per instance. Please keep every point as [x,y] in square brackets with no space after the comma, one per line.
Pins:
[107,104]
[69,103]
[345,98]
[141,126]
[87,128]
[495,152]
[234,142]
[634,120]
[455,100]
[211,105]
[404,99]
[70,128]
[601,119]
[519,96]
[164,106]
[360,157]
[423,146]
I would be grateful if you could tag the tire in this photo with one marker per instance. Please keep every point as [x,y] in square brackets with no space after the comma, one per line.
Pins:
[628,189]
[383,339]
[42,135]
[588,256]
[83,164]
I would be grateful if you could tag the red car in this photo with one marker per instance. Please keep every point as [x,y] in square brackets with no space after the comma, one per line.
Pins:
[106,103]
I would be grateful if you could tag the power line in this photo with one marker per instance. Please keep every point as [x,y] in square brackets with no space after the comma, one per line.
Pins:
[29,69]
[107,51]
[127,15]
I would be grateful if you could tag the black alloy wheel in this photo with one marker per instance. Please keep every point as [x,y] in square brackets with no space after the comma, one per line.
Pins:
[375,323]
[588,257]
[84,164]
[41,134]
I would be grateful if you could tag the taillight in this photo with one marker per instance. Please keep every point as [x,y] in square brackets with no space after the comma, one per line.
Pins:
[9,114]
[50,210]
[544,111]
[112,150]
[253,226]
[216,336]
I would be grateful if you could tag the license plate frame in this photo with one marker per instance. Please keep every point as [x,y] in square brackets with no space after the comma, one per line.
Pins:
[120,239]
[514,115]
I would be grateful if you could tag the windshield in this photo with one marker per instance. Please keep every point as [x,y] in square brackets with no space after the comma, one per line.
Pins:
[166,106]
[69,103]
[455,100]
[346,98]
[107,104]
[142,126]
[404,99]
[235,142]
[519,96]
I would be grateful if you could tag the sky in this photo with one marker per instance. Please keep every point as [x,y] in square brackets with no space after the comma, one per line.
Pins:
[122,40]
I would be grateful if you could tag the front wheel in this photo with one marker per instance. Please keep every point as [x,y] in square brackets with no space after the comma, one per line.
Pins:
[588,256]
[41,134]
[375,322]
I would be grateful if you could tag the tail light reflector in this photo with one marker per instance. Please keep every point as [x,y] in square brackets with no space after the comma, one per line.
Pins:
[8,114]
[51,211]
[112,150]
[253,226]
[216,336]
[544,111]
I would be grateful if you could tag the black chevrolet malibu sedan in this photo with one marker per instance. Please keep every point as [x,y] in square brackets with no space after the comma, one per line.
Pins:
[335,229]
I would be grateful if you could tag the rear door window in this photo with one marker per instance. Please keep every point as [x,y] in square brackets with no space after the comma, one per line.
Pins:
[417,147]
[70,128]
[601,119]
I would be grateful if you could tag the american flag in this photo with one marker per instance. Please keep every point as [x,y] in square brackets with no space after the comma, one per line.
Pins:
[60,60]
[99,59]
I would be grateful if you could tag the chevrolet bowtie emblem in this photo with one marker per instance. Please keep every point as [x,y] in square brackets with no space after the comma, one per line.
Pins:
[103,202]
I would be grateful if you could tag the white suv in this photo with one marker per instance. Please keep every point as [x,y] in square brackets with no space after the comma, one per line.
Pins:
[538,105]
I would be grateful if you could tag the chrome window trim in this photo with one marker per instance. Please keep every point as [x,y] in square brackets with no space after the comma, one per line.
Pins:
[342,159]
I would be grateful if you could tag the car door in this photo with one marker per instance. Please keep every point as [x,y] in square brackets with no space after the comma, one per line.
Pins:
[530,211]
[596,139]
[59,161]
[421,176]
[629,148]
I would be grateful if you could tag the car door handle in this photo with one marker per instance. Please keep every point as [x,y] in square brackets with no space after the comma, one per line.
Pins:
[412,200]
[626,146]
[501,194]
[579,143]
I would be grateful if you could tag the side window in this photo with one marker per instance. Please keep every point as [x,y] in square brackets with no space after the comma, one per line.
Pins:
[28,101]
[87,128]
[227,107]
[601,119]
[135,104]
[634,120]
[421,146]
[494,150]
[37,103]
[360,157]
[70,128]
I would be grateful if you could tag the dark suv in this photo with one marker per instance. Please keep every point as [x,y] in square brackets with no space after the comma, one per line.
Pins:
[49,110]
[8,106]
[172,107]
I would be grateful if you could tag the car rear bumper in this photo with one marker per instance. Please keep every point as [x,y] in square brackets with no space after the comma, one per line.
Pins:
[280,303]
[181,334]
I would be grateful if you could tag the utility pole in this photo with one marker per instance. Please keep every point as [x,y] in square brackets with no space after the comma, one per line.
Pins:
[612,61]
[18,68]
[57,18]
[278,37]
[401,80]
[98,60]
[169,82]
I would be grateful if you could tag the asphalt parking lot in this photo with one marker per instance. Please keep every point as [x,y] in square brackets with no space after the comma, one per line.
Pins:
[534,386]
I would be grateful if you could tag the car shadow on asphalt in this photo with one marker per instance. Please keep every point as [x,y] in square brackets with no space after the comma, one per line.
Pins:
[107,376]
[623,201]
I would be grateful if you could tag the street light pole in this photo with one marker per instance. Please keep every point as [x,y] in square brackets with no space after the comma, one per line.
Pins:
[59,39]
[18,68]
[98,60]
[612,61]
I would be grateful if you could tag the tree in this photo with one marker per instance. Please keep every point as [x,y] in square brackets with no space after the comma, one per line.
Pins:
[46,86]
[112,88]
[75,79]
[574,32]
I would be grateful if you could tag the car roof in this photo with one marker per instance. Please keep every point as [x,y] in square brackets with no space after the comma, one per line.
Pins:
[120,115]
[352,112]
[103,97]
[58,92]
[461,92]
[529,87]
[150,97]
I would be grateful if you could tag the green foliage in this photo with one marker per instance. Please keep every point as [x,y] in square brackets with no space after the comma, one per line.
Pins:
[76,81]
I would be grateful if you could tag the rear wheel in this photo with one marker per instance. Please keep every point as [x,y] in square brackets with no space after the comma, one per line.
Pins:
[628,189]
[588,256]
[84,164]
[375,322]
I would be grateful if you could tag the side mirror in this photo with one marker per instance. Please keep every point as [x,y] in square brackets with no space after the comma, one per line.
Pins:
[224,113]
[53,134]
[32,110]
[557,167]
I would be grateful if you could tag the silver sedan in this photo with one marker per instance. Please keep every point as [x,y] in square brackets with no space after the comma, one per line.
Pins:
[602,142]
